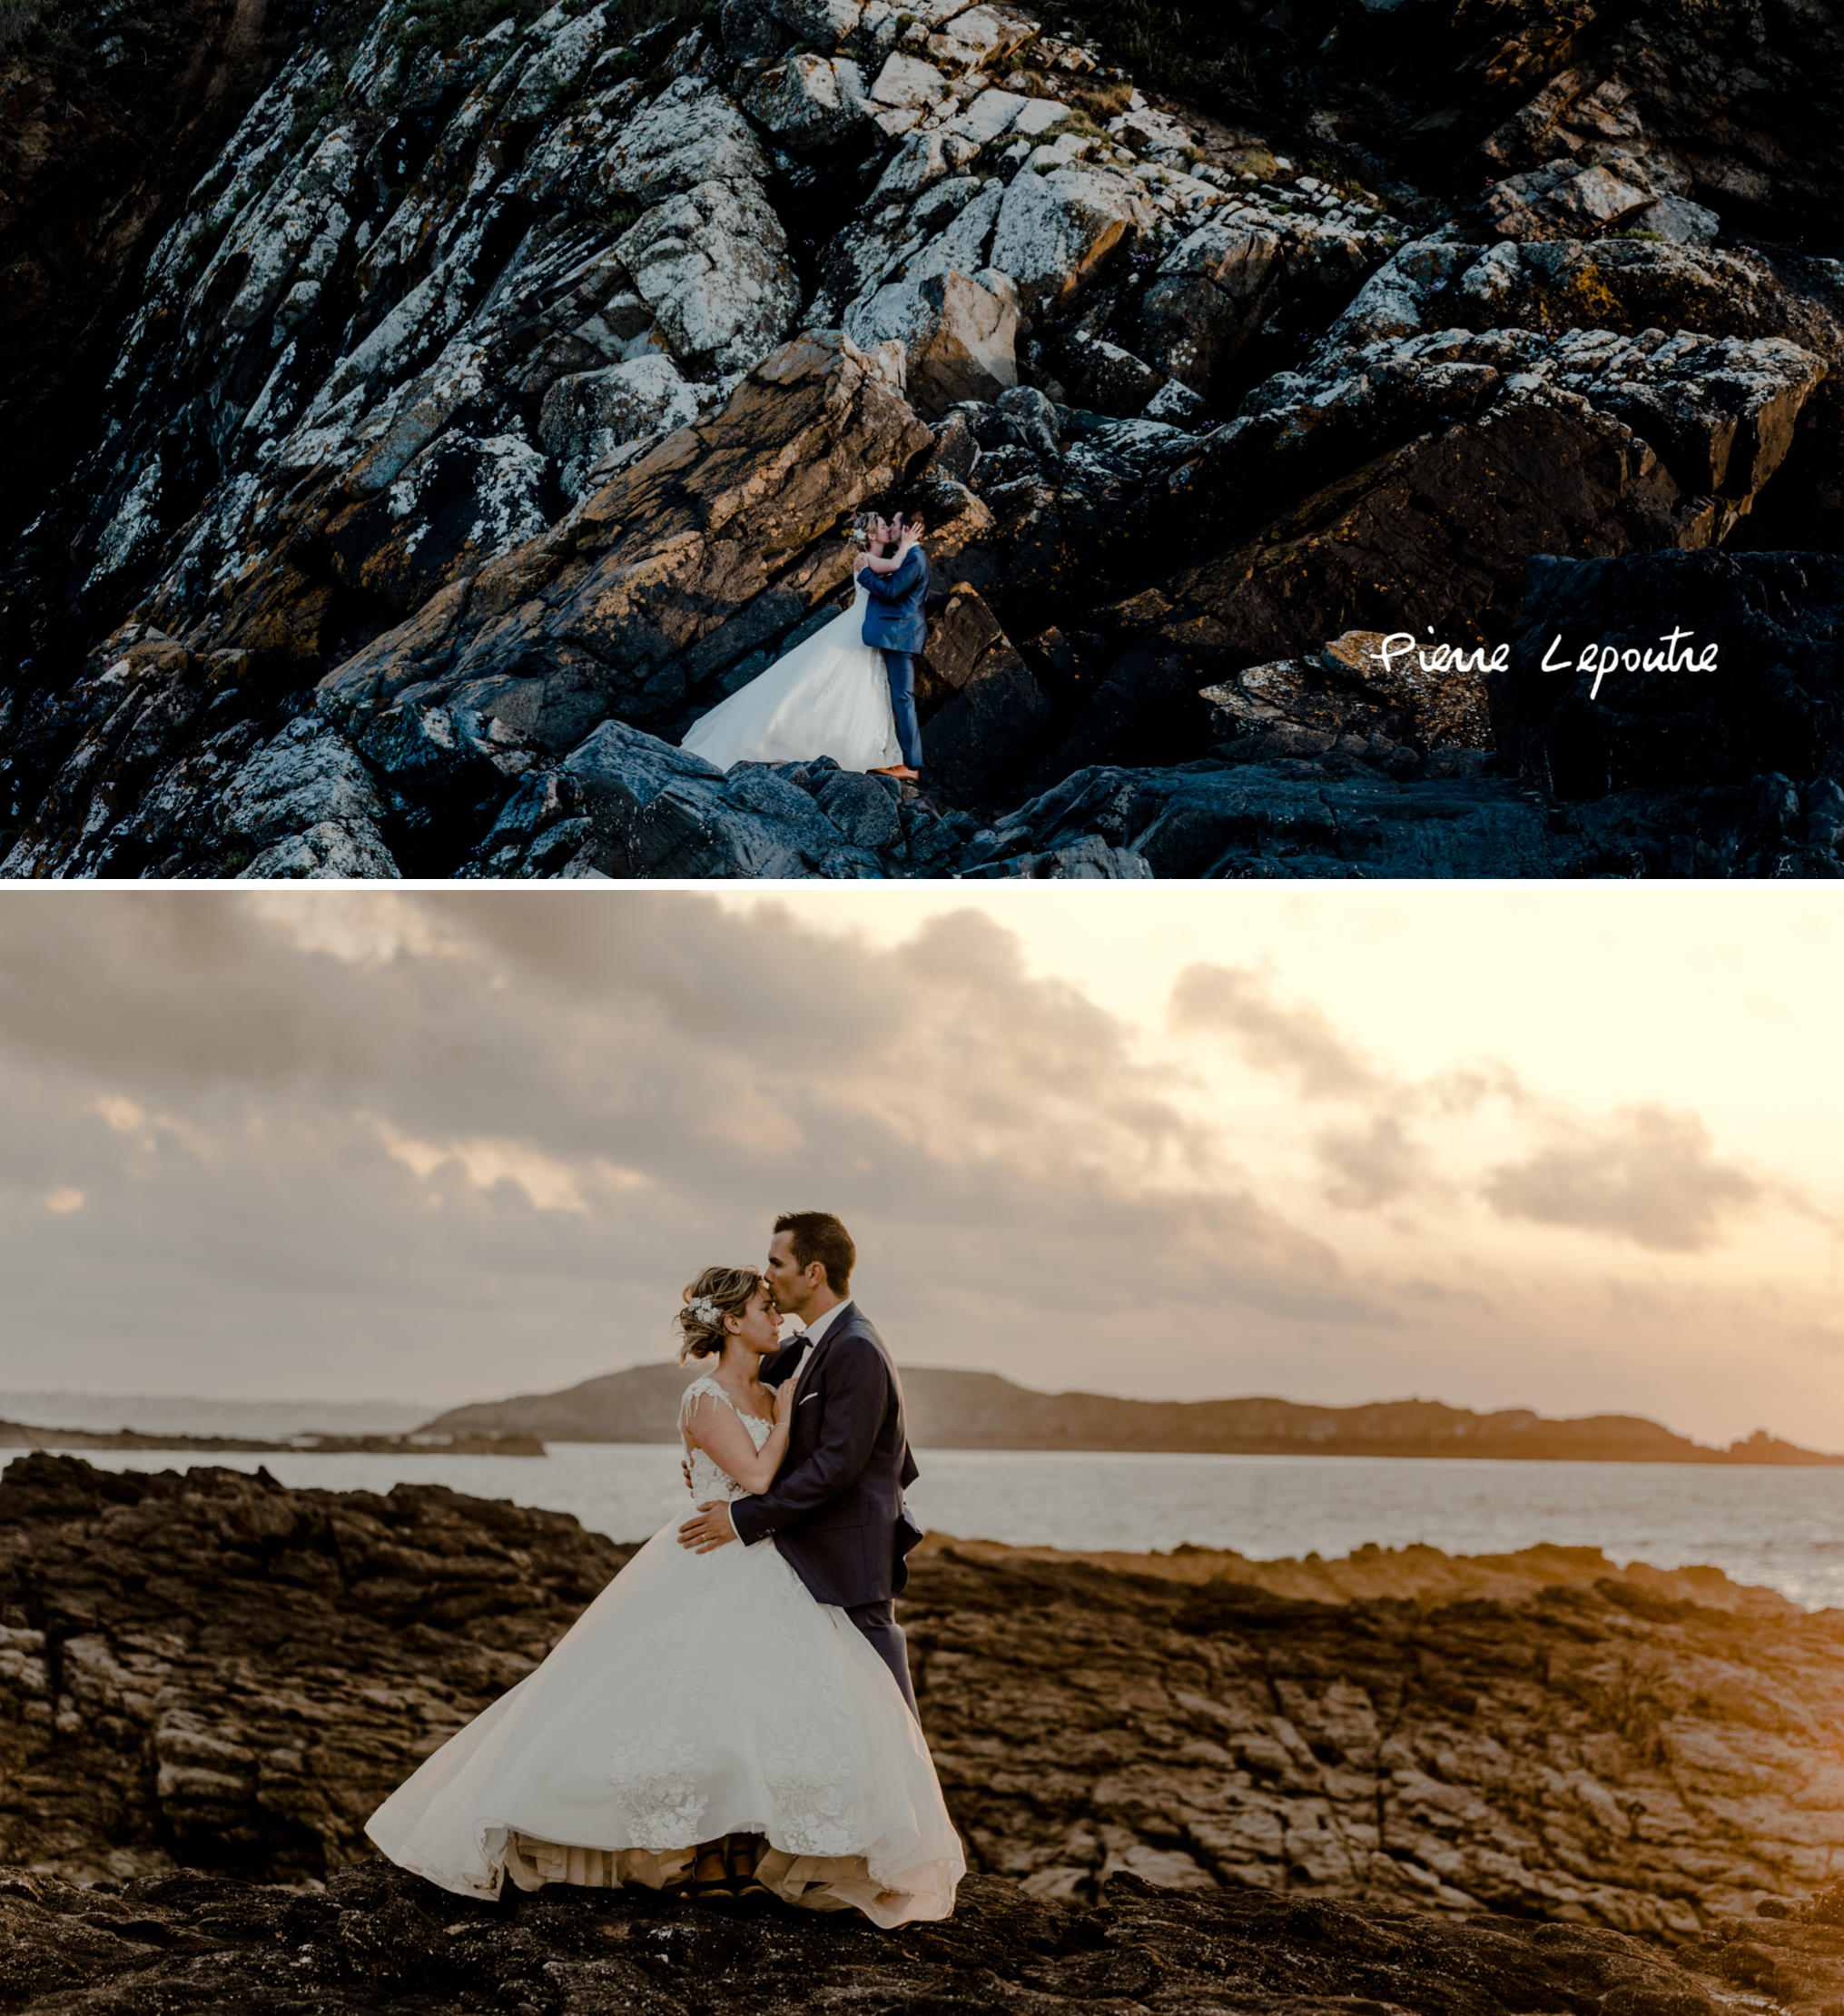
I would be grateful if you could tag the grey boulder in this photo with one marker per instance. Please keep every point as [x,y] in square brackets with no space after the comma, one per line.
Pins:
[713,265]
[808,102]
[309,780]
[655,811]
[959,338]
[589,412]
[324,853]
[689,134]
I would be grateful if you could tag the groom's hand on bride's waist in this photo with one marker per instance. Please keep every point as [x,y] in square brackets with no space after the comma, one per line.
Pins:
[710,1530]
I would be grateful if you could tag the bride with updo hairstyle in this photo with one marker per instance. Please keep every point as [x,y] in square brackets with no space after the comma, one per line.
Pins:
[729,1314]
[718,1292]
[707,1725]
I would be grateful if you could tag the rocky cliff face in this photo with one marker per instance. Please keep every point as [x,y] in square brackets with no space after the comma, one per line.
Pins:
[213,1671]
[502,395]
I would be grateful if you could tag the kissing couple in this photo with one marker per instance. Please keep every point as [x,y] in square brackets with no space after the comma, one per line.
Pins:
[733,1716]
[848,692]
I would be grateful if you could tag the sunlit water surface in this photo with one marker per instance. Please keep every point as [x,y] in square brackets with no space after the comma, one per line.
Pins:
[1783,1527]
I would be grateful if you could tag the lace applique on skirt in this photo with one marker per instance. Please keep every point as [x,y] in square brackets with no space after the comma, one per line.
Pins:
[651,1769]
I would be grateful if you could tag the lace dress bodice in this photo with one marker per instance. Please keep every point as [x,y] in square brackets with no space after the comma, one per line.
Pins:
[708,1481]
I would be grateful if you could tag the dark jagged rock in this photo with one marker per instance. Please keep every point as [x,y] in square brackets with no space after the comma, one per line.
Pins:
[1309,805]
[108,115]
[1736,112]
[1559,1755]
[993,717]
[1365,686]
[1770,705]
[625,804]
[1793,1954]
[1296,813]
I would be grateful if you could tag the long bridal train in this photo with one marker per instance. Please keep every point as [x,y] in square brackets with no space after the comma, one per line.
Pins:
[828,697]
[698,1696]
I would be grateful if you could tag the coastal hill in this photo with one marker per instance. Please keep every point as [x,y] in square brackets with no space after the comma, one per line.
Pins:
[19,1435]
[981,1410]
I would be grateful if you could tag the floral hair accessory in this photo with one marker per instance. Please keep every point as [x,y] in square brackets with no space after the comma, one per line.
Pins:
[706,1311]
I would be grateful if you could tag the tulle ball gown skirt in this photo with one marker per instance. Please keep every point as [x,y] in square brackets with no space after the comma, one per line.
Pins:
[698,1696]
[829,696]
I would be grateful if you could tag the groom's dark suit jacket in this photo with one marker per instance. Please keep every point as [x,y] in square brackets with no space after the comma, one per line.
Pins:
[893,618]
[835,1511]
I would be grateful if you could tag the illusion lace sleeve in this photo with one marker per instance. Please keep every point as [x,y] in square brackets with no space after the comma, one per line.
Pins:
[709,1481]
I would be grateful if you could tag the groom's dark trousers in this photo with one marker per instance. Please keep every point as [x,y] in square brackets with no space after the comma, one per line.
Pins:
[837,1510]
[896,624]
[878,1622]
[900,668]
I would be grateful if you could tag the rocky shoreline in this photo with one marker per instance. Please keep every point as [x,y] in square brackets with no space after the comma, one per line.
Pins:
[209,1670]
[501,397]
[376,1940]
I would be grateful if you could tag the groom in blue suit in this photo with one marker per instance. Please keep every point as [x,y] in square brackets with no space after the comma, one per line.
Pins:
[895,624]
[835,1511]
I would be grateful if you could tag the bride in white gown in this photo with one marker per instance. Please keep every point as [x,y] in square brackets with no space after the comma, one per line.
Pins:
[828,697]
[700,1697]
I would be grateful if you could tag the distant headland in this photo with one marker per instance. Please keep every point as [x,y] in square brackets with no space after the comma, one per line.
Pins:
[981,1410]
[18,1434]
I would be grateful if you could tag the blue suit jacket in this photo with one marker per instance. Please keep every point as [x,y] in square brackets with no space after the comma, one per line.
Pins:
[894,620]
[835,1511]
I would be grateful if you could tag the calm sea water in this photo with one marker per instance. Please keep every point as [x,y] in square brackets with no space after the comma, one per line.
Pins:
[1782,1528]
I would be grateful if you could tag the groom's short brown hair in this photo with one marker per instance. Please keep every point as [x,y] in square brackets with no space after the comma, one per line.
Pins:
[819,1236]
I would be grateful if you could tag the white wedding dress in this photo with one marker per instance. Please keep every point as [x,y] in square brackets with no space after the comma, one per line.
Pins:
[700,1695]
[828,697]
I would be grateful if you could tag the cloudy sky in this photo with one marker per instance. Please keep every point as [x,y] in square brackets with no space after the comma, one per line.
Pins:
[1580,1149]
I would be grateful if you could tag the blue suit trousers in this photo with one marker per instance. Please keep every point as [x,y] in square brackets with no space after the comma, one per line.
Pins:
[878,1622]
[900,668]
